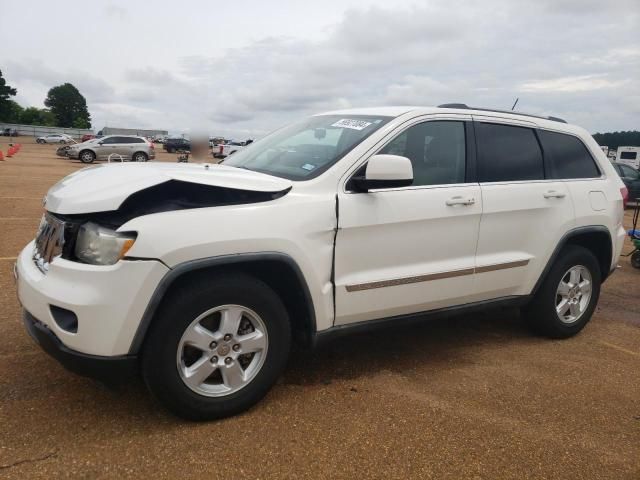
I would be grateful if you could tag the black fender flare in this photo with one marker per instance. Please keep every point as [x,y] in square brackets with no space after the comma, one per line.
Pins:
[224,260]
[564,241]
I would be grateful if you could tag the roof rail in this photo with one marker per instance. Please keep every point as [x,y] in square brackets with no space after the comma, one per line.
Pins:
[510,112]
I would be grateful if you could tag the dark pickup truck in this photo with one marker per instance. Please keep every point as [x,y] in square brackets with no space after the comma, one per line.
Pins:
[174,144]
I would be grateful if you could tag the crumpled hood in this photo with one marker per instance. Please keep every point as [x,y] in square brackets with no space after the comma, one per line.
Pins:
[103,188]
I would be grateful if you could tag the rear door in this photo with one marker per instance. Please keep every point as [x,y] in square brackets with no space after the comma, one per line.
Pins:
[524,214]
[406,250]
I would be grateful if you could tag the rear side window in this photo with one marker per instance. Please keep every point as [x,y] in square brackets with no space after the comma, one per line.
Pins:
[567,157]
[628,155]
[508,153]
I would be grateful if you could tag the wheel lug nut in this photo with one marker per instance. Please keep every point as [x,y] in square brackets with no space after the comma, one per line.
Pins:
[227,360]
[214,359]
[213,345]
[227,337]
[236,347]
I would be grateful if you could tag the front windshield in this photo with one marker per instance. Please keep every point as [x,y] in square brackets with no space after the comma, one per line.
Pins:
[306,149]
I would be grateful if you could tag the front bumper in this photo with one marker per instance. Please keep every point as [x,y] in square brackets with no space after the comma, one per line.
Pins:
[73,154]
[108,301]
[111,369]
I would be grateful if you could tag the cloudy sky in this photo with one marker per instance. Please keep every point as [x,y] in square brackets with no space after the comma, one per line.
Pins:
[241,68]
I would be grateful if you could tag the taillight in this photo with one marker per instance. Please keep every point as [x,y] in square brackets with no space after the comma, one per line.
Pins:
[625,196]
[221,148]
[152,146]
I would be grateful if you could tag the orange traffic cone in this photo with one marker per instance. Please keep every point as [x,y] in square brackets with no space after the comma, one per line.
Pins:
[1,156]
[10,152]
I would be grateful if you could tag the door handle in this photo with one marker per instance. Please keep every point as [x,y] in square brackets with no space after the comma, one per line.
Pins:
[554,194]
[458,200]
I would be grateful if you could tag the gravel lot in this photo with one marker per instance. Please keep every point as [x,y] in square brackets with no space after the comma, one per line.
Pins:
[466,397]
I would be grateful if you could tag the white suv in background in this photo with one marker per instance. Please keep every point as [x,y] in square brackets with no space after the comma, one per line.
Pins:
[202,276]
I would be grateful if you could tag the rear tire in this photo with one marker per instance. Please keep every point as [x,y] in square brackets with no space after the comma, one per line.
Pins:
[87,156]
[140,157]
[567,298]
[178,346]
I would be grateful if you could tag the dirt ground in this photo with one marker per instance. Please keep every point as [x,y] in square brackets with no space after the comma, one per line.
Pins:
[465,397]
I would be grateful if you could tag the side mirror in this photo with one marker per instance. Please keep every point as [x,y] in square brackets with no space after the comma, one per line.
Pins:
[385,171]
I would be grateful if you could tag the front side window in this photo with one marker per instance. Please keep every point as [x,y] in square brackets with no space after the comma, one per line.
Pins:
[566,156]
[306,149]
[508,153]
[436,149]
[110,141]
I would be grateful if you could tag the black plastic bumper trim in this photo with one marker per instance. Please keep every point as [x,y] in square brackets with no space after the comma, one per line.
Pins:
[110,369]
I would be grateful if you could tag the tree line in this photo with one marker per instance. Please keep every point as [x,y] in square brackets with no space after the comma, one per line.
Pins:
[618,139]
[66,107]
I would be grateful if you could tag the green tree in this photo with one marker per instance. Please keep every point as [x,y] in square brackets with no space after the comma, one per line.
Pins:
[7,106]
[618,139]
[37,116]
[68,106]
[12,112]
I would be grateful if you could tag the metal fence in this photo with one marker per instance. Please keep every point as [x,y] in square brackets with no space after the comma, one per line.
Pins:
[39,130]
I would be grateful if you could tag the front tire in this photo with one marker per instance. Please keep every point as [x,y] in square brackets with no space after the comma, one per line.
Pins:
[568,295]
[635,259]
[87,156]
[216,346]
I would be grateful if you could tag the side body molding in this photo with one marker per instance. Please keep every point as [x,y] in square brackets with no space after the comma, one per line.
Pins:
[223,260]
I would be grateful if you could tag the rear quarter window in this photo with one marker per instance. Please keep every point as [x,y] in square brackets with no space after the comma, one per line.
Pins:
[566,156]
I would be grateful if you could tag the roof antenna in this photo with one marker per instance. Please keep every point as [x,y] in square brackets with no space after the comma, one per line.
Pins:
[515,103]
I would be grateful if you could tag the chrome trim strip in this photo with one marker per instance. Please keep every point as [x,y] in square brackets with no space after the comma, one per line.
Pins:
[434,276]
[407,280]
[501,266]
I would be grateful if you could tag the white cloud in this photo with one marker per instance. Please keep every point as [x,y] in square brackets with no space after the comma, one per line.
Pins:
[561,57]
[584,83]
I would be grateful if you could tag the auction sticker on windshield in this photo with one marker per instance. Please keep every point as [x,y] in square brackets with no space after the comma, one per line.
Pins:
[353,124]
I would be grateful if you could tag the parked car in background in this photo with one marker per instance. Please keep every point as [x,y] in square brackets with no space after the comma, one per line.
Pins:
[223,150]
[125,147]
[9,132]
[631,178]
[629,156]
[174,144]
[87,136]
[203,277]
[54,138]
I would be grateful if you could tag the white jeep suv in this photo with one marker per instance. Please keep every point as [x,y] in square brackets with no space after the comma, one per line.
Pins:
[203,276]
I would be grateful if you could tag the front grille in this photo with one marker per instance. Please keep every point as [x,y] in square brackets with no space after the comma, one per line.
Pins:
[49,241]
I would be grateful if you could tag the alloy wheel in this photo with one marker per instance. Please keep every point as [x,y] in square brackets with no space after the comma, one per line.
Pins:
[222,350]
[573,294]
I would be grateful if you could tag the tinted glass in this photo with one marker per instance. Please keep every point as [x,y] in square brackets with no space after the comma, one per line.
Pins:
[628,155]
[131,140]
[436,149]
[508,153]
[566,156]
[629,172]
[110,140]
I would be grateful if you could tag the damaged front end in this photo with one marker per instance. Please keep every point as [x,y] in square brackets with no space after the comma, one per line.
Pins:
[93,237]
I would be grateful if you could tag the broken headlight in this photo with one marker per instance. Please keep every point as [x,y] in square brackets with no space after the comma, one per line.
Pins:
[101,246]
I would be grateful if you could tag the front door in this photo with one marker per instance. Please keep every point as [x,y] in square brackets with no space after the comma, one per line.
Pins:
[405,250]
